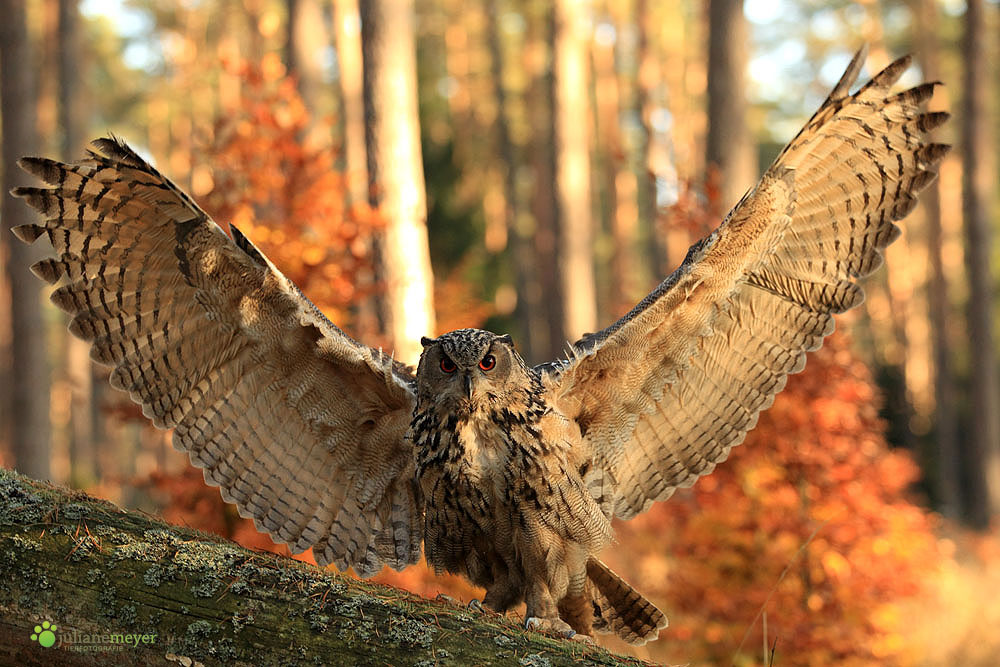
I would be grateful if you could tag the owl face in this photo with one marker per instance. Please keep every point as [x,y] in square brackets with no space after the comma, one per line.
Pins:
[467,368]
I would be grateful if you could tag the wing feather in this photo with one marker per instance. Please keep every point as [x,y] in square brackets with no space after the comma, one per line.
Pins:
[663,395]
[300,426]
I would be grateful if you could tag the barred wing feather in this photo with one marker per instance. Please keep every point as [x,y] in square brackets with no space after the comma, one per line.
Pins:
[296,423]
[663,395]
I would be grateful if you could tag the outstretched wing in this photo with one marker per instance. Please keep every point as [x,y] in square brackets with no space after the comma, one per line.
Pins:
[300,426]
[662,395]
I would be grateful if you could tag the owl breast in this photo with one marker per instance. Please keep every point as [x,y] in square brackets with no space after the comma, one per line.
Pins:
[499,486]
[465,473]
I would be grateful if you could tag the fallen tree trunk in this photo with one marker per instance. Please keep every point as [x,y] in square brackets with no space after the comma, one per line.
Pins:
[83,582]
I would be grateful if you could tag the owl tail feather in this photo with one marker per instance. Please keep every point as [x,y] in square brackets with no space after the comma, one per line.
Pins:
[619,609]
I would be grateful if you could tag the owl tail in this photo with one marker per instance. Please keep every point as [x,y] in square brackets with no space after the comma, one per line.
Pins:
[619,609]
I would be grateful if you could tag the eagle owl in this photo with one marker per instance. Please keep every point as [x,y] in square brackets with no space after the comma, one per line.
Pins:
[505,473]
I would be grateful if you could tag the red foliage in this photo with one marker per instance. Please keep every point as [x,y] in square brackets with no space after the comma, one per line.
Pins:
[807,521]
[283,192]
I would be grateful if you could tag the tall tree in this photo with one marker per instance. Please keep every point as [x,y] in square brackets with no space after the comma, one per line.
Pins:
[79,370]
[572,130]
[29,369]
[305,40]
[540,103]
[395,171]
[978,179]
[647,79]
[944,453]
[350,69]
[728,145]
[347,37]
[529,309]
[618,183]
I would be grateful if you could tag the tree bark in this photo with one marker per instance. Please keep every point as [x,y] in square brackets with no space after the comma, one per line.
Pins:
[978,179]
[648,77]
[728,144]
[79,369]
[347,37]
[304,44]
[123,588]
[572,135]
[395,169]
[530,309]
[354,159]
[29,368]
[944,453]
[544,206]
[619,184]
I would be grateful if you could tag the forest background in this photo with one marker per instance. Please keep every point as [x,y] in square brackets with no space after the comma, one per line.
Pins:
[568,155]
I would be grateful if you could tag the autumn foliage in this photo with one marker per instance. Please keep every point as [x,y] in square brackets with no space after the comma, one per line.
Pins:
[276,182]
[805,541]
[808,522]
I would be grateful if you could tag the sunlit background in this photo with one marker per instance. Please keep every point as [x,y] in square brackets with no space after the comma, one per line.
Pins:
[856,525]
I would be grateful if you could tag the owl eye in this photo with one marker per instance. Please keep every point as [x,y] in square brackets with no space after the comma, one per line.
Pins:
[488,363]
[447,365]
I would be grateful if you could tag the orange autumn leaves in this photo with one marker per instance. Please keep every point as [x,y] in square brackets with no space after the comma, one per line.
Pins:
[276,182]
[809,520]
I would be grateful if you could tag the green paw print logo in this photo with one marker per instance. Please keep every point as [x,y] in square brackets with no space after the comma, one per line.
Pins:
[45,634]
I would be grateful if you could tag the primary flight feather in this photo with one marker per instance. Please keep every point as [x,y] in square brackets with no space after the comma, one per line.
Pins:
[507,474]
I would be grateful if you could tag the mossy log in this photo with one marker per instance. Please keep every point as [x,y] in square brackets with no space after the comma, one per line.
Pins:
[84,582]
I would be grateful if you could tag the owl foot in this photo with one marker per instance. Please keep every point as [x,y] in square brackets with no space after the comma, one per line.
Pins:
[554,626]
[474,605]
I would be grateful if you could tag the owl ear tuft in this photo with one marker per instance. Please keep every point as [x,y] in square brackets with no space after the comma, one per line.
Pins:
[425,341]
[505,338]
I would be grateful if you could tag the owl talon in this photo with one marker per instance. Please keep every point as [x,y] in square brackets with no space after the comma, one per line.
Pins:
[476,605]
[552,626]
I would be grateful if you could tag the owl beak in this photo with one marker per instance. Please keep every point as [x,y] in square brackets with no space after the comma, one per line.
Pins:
[467,382]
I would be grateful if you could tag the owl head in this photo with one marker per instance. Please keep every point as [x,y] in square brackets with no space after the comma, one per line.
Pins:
[469,369]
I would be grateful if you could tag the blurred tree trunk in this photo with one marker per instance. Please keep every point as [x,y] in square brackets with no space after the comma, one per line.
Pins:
[79,369]
[901,345]
[530,310]
[647,79]
[978,180]
[729,149]
[395,171]
[619,183]
[304,44]
[572,135]
[347,38]
[29,368]
[944,454]
[540,103]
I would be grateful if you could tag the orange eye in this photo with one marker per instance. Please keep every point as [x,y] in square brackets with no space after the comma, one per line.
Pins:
[488,363]
[447,365]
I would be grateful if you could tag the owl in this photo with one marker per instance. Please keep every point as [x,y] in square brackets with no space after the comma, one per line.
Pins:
[506,473]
